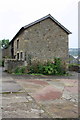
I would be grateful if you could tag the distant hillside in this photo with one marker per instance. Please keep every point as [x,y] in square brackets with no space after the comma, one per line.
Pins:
[74,51]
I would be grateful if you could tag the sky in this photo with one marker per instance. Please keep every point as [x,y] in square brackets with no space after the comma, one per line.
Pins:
[17,13]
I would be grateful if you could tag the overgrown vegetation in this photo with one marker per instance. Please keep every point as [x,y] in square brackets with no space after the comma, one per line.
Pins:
[49,68]
[20,70]
[55,68]
[4,43]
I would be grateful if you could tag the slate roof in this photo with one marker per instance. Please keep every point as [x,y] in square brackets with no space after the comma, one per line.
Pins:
[39,20]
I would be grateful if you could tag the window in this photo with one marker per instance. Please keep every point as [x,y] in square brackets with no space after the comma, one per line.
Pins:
[14,56]
[17,56]
[17,43]
[21,55]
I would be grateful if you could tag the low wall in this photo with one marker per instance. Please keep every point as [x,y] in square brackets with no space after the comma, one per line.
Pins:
[10,65]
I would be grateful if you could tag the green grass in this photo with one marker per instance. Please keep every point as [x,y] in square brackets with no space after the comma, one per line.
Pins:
[6,92]
[67,74]
[19,73]
[34,74]
[27,74]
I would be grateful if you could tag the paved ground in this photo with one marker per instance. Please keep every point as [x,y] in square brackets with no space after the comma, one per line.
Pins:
[16,102]
[40,96]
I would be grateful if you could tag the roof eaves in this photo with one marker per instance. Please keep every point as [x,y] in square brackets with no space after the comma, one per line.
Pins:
[48,16]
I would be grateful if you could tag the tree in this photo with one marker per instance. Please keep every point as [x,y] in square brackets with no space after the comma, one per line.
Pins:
[4,43]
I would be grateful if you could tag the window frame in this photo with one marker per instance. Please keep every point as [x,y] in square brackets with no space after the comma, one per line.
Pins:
[17,43]
[21,55]
[17,56]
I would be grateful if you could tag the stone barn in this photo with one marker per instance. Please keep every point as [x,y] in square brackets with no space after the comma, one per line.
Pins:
[41,40]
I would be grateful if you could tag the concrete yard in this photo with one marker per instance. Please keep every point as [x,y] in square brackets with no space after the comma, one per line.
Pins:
[29,96]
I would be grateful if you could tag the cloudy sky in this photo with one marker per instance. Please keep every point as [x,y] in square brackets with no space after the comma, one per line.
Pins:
[17,13]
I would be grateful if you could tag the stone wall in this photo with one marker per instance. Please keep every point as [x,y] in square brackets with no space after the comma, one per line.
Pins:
[42,42]
[10,65]
[74,68]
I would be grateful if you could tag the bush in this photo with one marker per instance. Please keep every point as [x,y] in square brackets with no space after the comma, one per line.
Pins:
[55,68]
[20,70]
